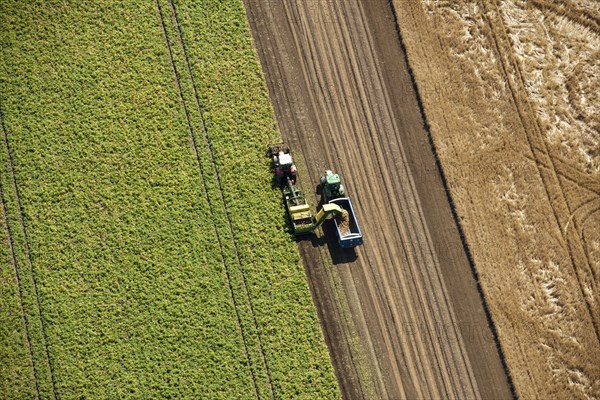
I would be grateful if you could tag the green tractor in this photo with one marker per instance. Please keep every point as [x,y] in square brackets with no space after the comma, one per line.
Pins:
[331,186]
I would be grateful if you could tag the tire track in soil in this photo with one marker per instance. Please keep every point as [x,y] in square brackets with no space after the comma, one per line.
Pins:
[203,176]
[350,353]
[17,194]
[223,201]
[566,171]
[344,114]
[379,146]
[299,17]
[333,301]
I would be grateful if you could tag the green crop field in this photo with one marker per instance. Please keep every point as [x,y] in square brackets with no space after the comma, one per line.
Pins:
[144,252]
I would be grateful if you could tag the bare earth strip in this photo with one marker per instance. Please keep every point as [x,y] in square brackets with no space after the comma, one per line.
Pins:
[402,315]
[510,92]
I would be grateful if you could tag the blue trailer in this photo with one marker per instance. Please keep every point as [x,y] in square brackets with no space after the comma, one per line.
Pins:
[348,232]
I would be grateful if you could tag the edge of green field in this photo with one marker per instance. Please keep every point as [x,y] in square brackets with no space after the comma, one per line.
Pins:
[145,253]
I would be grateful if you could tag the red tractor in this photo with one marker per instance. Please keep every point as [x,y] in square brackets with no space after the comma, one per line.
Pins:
[283,164]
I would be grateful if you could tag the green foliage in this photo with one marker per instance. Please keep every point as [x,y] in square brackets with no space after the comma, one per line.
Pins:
[240,124]
[132,287]
[16,368]
[162,270]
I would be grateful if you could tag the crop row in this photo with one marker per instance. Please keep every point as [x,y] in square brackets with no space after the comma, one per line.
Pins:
[17,380]
[132,287]
[160,261]
[239,121]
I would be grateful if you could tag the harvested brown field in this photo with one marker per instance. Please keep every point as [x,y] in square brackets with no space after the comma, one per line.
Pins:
[511,91]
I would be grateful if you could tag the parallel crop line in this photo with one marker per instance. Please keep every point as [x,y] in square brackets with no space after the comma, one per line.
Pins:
[19,285]
[308,46]
[453,209]
[29,257]
[221,191]
[305,50]
[361,107]
[426,251]
[202,175]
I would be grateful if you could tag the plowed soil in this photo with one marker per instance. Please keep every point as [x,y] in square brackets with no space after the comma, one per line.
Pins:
[402,315]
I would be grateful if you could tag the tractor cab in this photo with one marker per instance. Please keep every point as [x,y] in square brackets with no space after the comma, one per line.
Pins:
[285,161]
[285,168]
[332,186]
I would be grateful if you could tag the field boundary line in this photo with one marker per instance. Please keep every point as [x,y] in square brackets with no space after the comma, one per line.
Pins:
[453,208]
[523,106]
[28,249]
[202,175]
[427,253]
[208,141]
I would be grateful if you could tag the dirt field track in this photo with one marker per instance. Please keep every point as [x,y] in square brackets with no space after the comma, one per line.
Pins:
[402,314]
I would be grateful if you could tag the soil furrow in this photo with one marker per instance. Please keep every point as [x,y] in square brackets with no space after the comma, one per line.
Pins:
[355,381]
[349,110]
[343,125]
[424,250]
[339,124]
[371,111]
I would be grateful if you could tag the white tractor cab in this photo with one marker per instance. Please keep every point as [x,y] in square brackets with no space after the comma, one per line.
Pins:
[285,167]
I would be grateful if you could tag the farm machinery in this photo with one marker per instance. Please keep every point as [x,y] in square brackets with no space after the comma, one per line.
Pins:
[331,186]
[335,205]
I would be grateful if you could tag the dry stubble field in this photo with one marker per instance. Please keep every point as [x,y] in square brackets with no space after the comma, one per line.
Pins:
[510,89]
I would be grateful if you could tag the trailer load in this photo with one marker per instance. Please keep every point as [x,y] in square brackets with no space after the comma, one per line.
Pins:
[348,232]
